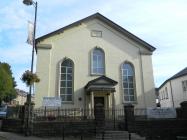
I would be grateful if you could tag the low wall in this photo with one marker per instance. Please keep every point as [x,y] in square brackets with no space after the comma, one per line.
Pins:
[161,128]
[58,128]
[12,125]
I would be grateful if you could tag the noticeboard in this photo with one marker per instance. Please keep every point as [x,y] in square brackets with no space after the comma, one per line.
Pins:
[161,113]
[51,101]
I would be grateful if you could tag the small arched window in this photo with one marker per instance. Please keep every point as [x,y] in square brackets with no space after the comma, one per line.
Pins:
[98,62]
[66,80]
[128,77]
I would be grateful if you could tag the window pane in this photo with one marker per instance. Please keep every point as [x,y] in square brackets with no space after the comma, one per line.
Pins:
[69,70]
[94,70]
[94,57]
[126,91]
[131,91]
[69,77]
[69,90]
[125,84]
[67,63]
[62,91]
[131,85]
[63,76]
[130,78]
[69,83]
[100,71]
[62,97]
[125,79]
[125,72]
[132,98]
[126,98]
[94,64]
[63,70]
[69,97]
[63,84]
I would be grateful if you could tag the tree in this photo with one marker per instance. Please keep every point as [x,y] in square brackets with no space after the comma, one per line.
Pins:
[7,83]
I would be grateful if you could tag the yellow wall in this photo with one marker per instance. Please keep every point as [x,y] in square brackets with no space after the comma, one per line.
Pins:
[76,43]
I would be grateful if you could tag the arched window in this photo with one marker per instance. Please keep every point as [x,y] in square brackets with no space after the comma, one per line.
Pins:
[98,62]
[66,80]
[128,77]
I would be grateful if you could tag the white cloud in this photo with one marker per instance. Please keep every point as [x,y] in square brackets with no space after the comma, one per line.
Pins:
[160,23]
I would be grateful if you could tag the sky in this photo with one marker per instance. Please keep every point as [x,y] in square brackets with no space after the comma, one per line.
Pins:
[161,23]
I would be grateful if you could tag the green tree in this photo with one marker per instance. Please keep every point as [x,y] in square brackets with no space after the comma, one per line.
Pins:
[7,83]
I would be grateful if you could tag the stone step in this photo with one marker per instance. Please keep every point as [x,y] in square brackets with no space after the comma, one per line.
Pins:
[118,135]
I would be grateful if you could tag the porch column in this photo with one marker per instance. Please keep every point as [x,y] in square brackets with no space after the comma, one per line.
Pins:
[113,101]
[108,102]
[92,102]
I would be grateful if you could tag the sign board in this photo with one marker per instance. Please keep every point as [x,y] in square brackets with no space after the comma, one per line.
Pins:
[161,113]
[51,101]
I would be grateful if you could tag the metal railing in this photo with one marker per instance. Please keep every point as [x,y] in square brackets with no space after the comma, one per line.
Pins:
[61,114]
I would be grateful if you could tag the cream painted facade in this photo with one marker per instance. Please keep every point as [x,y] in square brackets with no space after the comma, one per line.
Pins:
[76,43]
[171,94]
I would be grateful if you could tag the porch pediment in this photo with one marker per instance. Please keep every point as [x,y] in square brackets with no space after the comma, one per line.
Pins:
[102,83]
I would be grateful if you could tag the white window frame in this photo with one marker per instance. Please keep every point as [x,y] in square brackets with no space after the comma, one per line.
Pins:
[92,62]
[60,87]
[134,84]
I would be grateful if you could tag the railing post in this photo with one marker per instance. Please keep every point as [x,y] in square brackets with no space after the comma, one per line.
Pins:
[129,116]
[99,118]
[45,112]
[27,118]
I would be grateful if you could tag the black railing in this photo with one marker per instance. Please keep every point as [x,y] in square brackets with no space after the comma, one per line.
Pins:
[61,114]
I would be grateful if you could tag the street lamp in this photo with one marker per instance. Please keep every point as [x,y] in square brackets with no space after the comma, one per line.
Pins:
[28,3]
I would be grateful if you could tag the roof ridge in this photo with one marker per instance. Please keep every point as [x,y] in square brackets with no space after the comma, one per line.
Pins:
[106,21]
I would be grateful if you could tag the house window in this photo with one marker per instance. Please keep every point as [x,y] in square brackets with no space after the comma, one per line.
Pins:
[128,77]
[184,85]
[66,80]
[98,62]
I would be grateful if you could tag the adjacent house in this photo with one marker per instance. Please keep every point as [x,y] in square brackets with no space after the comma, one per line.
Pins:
[93,61]
[21,98]
[174,90]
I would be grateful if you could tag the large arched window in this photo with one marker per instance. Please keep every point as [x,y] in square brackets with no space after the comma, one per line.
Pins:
[98,62]
[128,77]
[66,80]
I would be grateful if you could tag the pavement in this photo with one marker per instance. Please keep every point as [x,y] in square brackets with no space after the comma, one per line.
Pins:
[15,136]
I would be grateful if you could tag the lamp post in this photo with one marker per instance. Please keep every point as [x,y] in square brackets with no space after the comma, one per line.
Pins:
[29,3]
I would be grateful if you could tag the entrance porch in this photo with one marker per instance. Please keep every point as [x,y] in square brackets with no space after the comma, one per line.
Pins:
[100,91]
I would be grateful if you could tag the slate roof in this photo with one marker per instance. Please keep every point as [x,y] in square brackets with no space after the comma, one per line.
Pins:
[179,74]
[106,21]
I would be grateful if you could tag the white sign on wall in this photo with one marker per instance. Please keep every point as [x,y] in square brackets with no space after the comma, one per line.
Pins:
[161,113]
[51,101]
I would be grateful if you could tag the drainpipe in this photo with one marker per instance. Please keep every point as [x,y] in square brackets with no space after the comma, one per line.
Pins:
[172,95]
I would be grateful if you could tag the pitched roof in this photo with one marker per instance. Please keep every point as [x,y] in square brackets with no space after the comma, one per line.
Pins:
[177,75]
[106,21]
[104,78]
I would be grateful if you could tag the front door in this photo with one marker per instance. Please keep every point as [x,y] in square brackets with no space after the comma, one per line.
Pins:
[98,100]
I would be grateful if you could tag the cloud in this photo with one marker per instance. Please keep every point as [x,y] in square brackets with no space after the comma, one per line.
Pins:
[160,23]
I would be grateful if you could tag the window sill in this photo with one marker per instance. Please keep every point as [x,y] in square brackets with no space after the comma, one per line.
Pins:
[94,74]
[67,102]
[130,102]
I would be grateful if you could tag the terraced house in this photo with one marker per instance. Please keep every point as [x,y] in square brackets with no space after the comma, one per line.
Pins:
[93,61]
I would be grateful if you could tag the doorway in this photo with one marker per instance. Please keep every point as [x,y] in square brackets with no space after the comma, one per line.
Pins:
[98,100]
